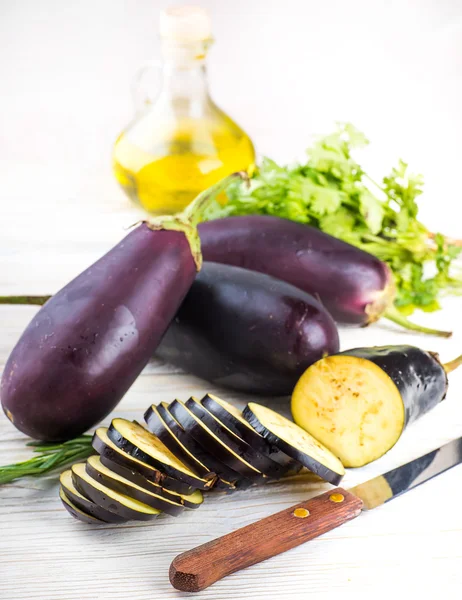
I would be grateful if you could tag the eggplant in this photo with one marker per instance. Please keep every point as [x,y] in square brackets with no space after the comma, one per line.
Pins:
[142,473]
[120,504]
[213,444]
[142,444]
[248,331]
[295,441]
[355,287]
[159,428]
[193,500]
[258,460]
[78,514]
[86,346]
[95,468]
[358,403]
[232,417]
[83,503]
[227,477]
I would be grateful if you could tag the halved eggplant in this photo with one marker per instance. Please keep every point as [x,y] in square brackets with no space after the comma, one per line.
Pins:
[121,504]
[295,441]
[232,417]
[236,443]
[211,442]
[157,425]
[144,445]
[78,514]
[359,402]
[140,470]
[101,473]
[84,503]
[227,477]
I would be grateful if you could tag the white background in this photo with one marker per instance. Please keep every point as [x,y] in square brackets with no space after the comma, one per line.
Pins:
[284,70]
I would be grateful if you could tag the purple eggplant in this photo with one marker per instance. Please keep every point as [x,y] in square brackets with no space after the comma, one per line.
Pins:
[248,331]
[89,342]
[355,287]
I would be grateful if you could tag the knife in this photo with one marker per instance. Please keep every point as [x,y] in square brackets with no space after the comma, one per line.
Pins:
[197,569]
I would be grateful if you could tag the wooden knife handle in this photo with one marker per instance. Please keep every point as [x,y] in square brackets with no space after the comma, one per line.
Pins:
[196,569]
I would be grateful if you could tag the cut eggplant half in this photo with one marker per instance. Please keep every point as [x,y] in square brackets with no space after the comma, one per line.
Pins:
[212,443]
[227,477]
[295,441]
[121,504]
[232,417]
[359,402]
[101,473]
[141,471]
[78,514]
[144,445]
[84,503]
[235,442]
[157,425]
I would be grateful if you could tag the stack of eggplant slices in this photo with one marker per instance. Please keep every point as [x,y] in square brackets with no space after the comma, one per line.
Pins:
[187,448]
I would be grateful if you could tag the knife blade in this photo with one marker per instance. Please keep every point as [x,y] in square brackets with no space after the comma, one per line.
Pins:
[197,569]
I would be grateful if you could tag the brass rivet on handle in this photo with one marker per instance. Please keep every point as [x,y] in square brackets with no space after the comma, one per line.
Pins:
[301,513]
[336,497]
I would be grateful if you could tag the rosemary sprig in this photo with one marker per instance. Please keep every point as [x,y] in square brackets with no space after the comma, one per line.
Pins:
[50,457]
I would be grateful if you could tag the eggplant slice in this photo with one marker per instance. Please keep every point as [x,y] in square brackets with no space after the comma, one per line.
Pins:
[101,473]
[235,442]
[121,504]
[140,470]
[147,447]
[232,417]
[227,477]
[295,441]
[193,500]
[78,514]
[212,443]
[84,503]
[157,425]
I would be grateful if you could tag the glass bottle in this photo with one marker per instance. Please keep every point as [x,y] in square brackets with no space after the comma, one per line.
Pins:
[182,143]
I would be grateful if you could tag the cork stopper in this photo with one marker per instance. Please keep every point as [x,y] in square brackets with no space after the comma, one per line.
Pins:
[185,24]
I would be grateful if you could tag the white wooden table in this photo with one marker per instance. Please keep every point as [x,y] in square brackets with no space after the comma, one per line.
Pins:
[412,545]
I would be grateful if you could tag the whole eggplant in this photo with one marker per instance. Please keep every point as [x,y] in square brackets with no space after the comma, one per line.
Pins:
[248,331]
[89,342]
[355,287]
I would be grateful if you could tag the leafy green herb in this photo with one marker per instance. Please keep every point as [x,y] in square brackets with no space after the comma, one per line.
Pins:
[50,458]
[332,192]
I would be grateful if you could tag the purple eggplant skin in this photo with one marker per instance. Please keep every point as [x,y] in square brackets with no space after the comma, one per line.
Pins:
[248,331]
[353,285]
[86,346]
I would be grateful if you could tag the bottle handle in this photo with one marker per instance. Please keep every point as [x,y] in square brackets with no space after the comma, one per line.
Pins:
[139,88]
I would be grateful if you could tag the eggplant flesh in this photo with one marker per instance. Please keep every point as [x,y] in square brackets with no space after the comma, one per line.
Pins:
[358,402]
[248,331]
[76,512]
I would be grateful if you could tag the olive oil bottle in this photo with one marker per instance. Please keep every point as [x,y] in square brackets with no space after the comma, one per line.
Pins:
[182,143]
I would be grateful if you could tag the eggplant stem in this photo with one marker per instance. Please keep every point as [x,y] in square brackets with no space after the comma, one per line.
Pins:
[452,364]
[393,314]
[30,300]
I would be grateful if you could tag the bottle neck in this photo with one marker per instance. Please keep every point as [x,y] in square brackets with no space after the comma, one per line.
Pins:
[184,77]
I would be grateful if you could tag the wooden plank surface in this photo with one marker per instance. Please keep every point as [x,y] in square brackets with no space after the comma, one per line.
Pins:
[409,545]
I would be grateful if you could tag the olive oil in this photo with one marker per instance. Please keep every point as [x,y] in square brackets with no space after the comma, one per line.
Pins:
[182,143]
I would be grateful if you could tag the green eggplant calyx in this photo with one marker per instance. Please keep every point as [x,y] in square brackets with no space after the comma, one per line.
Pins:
[393,314]
[380,305]
[187,220]
[452,364]
[179,223]
[194,212]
